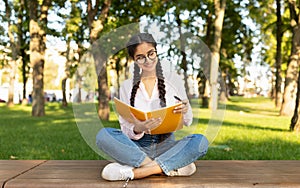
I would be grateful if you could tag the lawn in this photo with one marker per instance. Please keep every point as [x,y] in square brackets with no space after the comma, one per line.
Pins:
[251,129]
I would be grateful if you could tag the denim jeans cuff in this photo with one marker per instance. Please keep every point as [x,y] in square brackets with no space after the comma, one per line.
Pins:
[162,166]
[140,161]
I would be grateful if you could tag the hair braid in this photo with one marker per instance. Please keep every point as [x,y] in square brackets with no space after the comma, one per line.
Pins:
[161,84]
[136,83]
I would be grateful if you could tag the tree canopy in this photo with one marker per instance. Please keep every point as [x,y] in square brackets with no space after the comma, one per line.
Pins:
[250,36]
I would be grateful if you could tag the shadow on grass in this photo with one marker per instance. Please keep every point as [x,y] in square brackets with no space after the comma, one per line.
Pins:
[244,109]
[243,105]
[238,108]
[206,121]
[250,126]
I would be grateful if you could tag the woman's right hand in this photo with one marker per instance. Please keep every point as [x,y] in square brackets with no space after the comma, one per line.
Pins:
[145,126]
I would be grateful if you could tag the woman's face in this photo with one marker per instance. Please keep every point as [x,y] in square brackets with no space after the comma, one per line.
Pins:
[146,58]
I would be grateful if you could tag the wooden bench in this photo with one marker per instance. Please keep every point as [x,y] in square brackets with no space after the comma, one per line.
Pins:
[210,173]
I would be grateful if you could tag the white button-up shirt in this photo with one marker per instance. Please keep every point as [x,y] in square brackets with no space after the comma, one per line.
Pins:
[174,86]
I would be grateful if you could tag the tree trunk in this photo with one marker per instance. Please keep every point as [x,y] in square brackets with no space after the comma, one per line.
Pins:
[37,63]
[278,94]
[37,51]
[288,103]
[96,27]
[223,87]
[23,15]
[66,73]
[272,92]
[295,121]
[203,88]
[78,81]
[12,79]
[25,72]
[103,95]
[13,63]
[183,64]
[63,87]
[204,78]
[214,73]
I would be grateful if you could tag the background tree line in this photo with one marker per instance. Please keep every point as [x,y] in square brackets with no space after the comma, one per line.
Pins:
[231,29]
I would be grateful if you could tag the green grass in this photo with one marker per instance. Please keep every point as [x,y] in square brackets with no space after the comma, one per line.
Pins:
[251,130]
[54,136]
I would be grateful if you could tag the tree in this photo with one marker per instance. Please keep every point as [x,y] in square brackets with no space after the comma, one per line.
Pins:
[293,67]
[290,89]
[17,34]
[279,33]
[237,41]
[73,32]
[218,24]
[269,20]
[23,29]
[37,27]
[181,7]
[183,63]
[204,73]
[97,17]
[15,50]
[295,122]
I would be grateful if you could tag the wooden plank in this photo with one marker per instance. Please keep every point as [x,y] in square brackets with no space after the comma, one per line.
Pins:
[10,169]
[212,173]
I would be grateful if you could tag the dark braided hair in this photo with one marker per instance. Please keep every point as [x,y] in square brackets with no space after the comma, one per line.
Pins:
[131,47]
[161,84]
[136,83]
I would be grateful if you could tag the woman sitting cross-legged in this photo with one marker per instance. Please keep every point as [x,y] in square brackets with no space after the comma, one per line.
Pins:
[138,153]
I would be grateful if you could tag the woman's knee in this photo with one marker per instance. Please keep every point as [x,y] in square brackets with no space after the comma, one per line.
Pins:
[202,144]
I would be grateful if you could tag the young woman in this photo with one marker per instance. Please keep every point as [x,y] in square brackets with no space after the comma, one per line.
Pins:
[138,153]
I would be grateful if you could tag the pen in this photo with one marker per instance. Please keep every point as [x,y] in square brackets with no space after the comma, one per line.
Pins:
[177,98]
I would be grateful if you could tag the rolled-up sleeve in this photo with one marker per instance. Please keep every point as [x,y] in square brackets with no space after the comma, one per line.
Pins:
[127,129]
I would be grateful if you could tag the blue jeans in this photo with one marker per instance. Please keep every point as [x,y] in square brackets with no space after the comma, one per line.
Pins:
[164,149]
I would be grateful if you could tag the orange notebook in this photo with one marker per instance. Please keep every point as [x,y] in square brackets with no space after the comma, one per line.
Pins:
[170,121]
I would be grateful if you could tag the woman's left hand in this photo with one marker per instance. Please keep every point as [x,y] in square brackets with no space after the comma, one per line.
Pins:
[183,108]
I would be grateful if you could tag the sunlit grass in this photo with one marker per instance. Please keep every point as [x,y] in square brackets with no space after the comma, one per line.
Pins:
[251,129]
[54,136]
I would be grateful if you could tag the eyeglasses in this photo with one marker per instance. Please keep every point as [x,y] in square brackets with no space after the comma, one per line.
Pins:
[141,59]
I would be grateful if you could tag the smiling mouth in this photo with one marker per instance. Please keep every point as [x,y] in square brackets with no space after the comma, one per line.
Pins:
[149,62]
